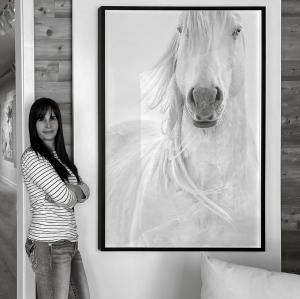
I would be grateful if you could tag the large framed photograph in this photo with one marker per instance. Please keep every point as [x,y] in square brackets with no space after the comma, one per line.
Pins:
[181,128]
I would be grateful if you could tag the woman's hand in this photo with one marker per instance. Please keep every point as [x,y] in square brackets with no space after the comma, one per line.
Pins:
[77,190]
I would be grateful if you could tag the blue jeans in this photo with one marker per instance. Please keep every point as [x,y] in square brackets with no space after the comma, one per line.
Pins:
[59,271]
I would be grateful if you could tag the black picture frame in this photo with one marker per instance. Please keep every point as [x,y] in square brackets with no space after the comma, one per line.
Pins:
[102,106]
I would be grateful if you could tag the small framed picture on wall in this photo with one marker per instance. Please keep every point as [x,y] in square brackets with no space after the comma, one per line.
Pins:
[181,128]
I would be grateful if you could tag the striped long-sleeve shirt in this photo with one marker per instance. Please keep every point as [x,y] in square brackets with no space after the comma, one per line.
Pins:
[51,201]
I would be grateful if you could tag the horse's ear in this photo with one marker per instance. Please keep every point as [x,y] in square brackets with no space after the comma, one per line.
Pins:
[154,83]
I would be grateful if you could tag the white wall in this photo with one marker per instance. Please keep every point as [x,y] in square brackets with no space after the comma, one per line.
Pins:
[24,41]
[158,275]
[8,172]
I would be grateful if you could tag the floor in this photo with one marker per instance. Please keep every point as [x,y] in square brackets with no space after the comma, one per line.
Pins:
[8,242]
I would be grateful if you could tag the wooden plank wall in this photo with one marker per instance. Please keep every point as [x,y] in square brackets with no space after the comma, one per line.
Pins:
[53,57]
[290,136]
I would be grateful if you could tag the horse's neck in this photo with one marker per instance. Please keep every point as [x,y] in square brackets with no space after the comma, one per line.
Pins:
[212,155]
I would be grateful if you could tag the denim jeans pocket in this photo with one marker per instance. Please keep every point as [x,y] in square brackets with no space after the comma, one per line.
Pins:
[31,252]
[62,251]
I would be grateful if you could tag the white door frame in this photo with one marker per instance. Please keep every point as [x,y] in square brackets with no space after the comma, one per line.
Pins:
[24,49]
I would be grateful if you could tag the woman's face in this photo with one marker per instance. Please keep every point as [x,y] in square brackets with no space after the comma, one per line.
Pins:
[47,128]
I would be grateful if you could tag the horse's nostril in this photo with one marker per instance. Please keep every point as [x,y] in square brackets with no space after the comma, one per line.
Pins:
[219,94]
[192,96]
[211,117]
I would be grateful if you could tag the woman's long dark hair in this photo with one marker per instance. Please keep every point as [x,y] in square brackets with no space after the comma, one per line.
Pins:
[37,112]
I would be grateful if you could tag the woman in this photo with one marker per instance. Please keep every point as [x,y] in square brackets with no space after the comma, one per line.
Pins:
[54,188]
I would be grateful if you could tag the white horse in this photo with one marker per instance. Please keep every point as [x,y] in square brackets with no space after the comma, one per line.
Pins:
[193,182]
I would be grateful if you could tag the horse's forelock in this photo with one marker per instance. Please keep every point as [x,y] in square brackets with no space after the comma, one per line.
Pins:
[204,22]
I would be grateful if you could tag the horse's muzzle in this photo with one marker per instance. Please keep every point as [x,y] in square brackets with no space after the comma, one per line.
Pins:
[203,105]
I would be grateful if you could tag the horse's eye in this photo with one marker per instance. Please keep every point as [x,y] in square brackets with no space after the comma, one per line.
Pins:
[236,32]
[179,29]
